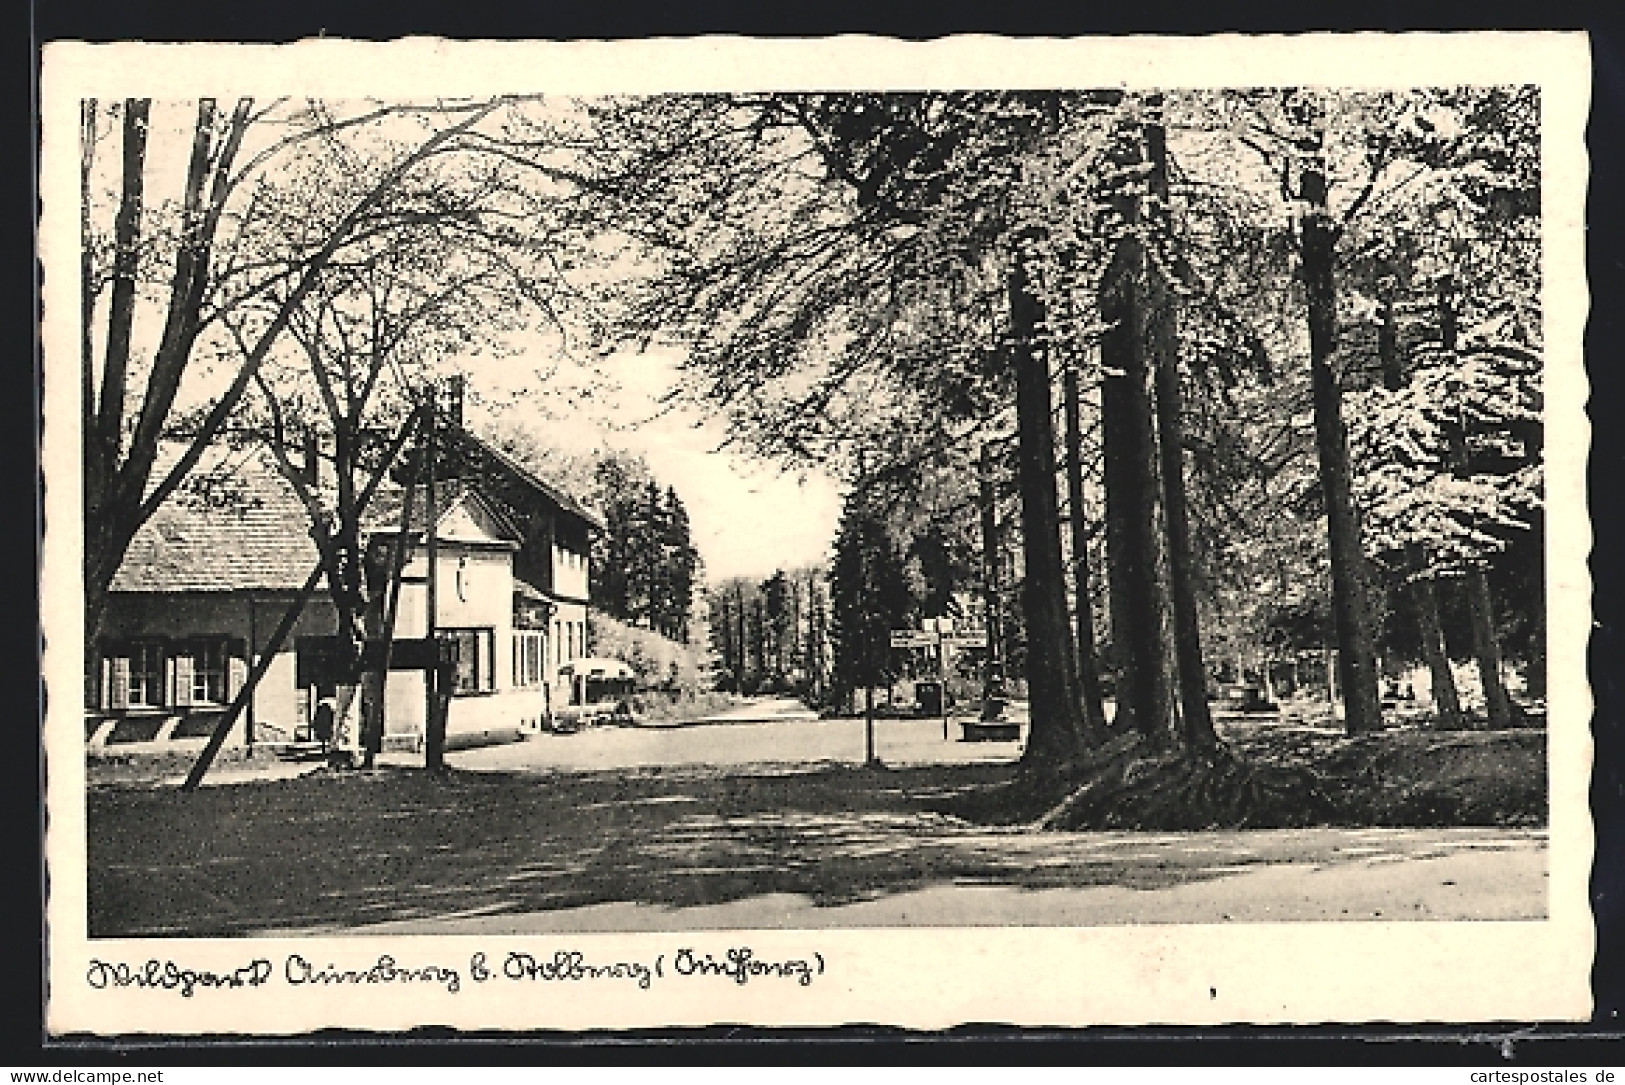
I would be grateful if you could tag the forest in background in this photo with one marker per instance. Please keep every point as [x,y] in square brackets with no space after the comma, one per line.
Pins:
[645,576]
[1261,370]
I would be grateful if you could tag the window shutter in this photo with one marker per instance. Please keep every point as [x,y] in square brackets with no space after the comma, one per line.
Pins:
[236,670]
[182,672]
[118,682]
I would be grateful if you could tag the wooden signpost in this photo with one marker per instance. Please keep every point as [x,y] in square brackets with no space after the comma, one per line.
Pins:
[941,638]
[992,726]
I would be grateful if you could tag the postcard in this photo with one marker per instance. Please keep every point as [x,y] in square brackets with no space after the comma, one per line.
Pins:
[607,535]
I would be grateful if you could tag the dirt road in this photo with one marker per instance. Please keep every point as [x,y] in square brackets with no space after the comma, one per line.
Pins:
[1289,875]
[770,732]
[759,817]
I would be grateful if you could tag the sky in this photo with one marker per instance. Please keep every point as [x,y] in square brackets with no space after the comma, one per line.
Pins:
[748,517]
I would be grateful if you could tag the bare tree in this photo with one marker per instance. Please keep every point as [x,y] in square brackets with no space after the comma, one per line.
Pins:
[227,273]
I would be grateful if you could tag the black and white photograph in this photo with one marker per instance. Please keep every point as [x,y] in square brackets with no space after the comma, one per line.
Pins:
[1046,533]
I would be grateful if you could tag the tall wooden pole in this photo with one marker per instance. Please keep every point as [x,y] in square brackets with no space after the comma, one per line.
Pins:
[866,616]
[373,743]
[434,726]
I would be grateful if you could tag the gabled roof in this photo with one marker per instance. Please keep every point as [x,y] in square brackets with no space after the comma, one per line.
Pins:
[383,515]
[234,525]
[524,589]
[476,444]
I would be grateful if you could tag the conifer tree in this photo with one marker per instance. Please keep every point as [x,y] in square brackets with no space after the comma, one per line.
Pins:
[868,598]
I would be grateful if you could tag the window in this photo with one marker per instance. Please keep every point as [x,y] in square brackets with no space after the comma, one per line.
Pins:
[529,653]
[146,674]
[154,673]
[208,684]
[476,658]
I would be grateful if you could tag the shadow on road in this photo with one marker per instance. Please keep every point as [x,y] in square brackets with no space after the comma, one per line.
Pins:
[340,851]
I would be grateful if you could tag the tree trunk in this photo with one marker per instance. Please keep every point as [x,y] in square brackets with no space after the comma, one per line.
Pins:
[993,691]
[103,436]
[1058,727]
[386,603]
[1137,602]
[1535,671]
[90,436]
[121,308]
[655,607]
[792,647]
[204,193]
[1393,369]
[1196,722]
[1498,706]
[815,690]
[758,613]
[1446,701]
[742,639]
[1357,655]
[1088,667]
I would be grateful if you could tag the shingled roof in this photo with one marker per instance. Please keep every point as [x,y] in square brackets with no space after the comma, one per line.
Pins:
[234,525]
[478,448]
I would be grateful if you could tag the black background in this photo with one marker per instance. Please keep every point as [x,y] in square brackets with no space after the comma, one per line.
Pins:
[1488,1043]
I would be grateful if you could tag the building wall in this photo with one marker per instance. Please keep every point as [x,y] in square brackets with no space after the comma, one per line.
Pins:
[568,640]
[251,619]
[474,591]
[569,572]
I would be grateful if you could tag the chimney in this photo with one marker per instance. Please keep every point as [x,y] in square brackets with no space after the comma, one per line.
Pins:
[451,401]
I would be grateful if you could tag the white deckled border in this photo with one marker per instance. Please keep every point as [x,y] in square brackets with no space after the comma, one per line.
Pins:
[925,978]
